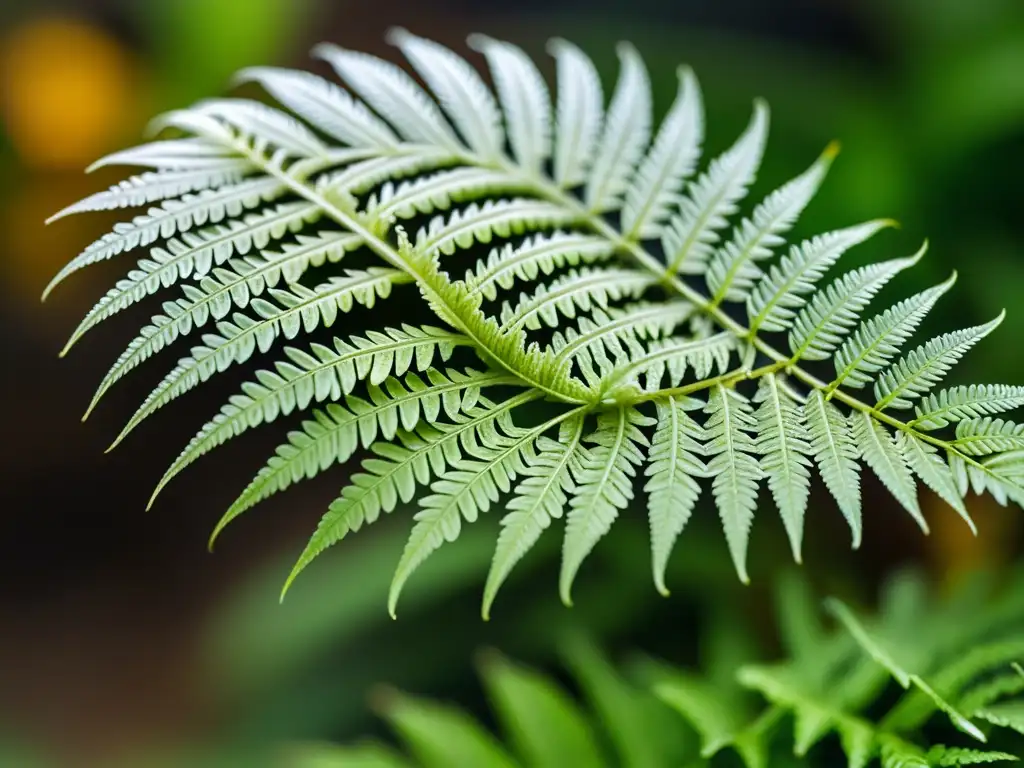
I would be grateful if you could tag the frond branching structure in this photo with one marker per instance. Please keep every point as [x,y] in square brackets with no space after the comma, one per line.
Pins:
[566,251]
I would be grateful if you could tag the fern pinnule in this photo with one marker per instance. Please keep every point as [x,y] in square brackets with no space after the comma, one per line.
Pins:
[628,260]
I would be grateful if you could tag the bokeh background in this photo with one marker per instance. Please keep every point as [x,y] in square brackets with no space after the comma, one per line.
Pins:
[123,642]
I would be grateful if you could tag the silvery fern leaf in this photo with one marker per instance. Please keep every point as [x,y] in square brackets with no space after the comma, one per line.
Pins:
[673,466]
[626,131]
[938,410]
[689,240]
[572,223]
[535,256]
[782,443]
[732,271]
[604,487]
[173,216]
[826,319]
[925,366]
[880,452]
[537,500]
[298,310]
[338,431]
[733,464]
[772,302]
[879,339]
[524,99]
[670,161]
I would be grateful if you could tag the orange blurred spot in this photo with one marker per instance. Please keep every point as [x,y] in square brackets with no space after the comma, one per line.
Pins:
[955,550]
[66,91]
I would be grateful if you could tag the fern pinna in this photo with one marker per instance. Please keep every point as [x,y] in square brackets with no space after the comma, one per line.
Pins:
[584,259]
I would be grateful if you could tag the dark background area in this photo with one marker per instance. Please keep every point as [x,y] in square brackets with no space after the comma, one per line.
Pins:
[122,641]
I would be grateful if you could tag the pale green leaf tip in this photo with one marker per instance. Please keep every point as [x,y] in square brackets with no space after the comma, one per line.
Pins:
[397,36]
[831,151]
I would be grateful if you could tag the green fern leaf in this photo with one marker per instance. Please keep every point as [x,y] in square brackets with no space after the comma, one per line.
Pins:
[938,410]
[470,486]
[773,300]
[879,339]
[546,726]
[923,459]
[690,237]
[672,466]
[782,443]
[734,466]
[980,437]
[925,366]
[879,449]
[538,499]
[334,436]
[441,736]
[836,455]
[604,485]
[396,473]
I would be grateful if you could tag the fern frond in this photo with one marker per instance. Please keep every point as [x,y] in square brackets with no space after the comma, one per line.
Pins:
[325,106]
[228,287]
[395,475]
[151,187]
[604,486]
[836,454]
[925,366]
[541,254]
[576,291]
[460,90]
[305,378]
[670,161]
[392,94]
[732,271]
[879,450]
[733,463]
[784,449]
[336,433]
[691,234]
[173,216]
[981,437]
[191,154]
[672,468]
[538,499]
[823,323]
[500,452]
[627,128]
[297,310]
[938,410]
[879,339]
[565,214]
[195,254]
[524,99]
[773,300]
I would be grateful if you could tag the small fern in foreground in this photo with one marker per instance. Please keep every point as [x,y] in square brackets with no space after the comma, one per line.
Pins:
[961,677]
[567,252]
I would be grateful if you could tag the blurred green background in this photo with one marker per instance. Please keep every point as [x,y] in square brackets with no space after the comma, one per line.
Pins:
[122,642]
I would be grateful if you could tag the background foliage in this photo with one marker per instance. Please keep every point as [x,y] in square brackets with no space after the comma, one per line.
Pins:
[124,643]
